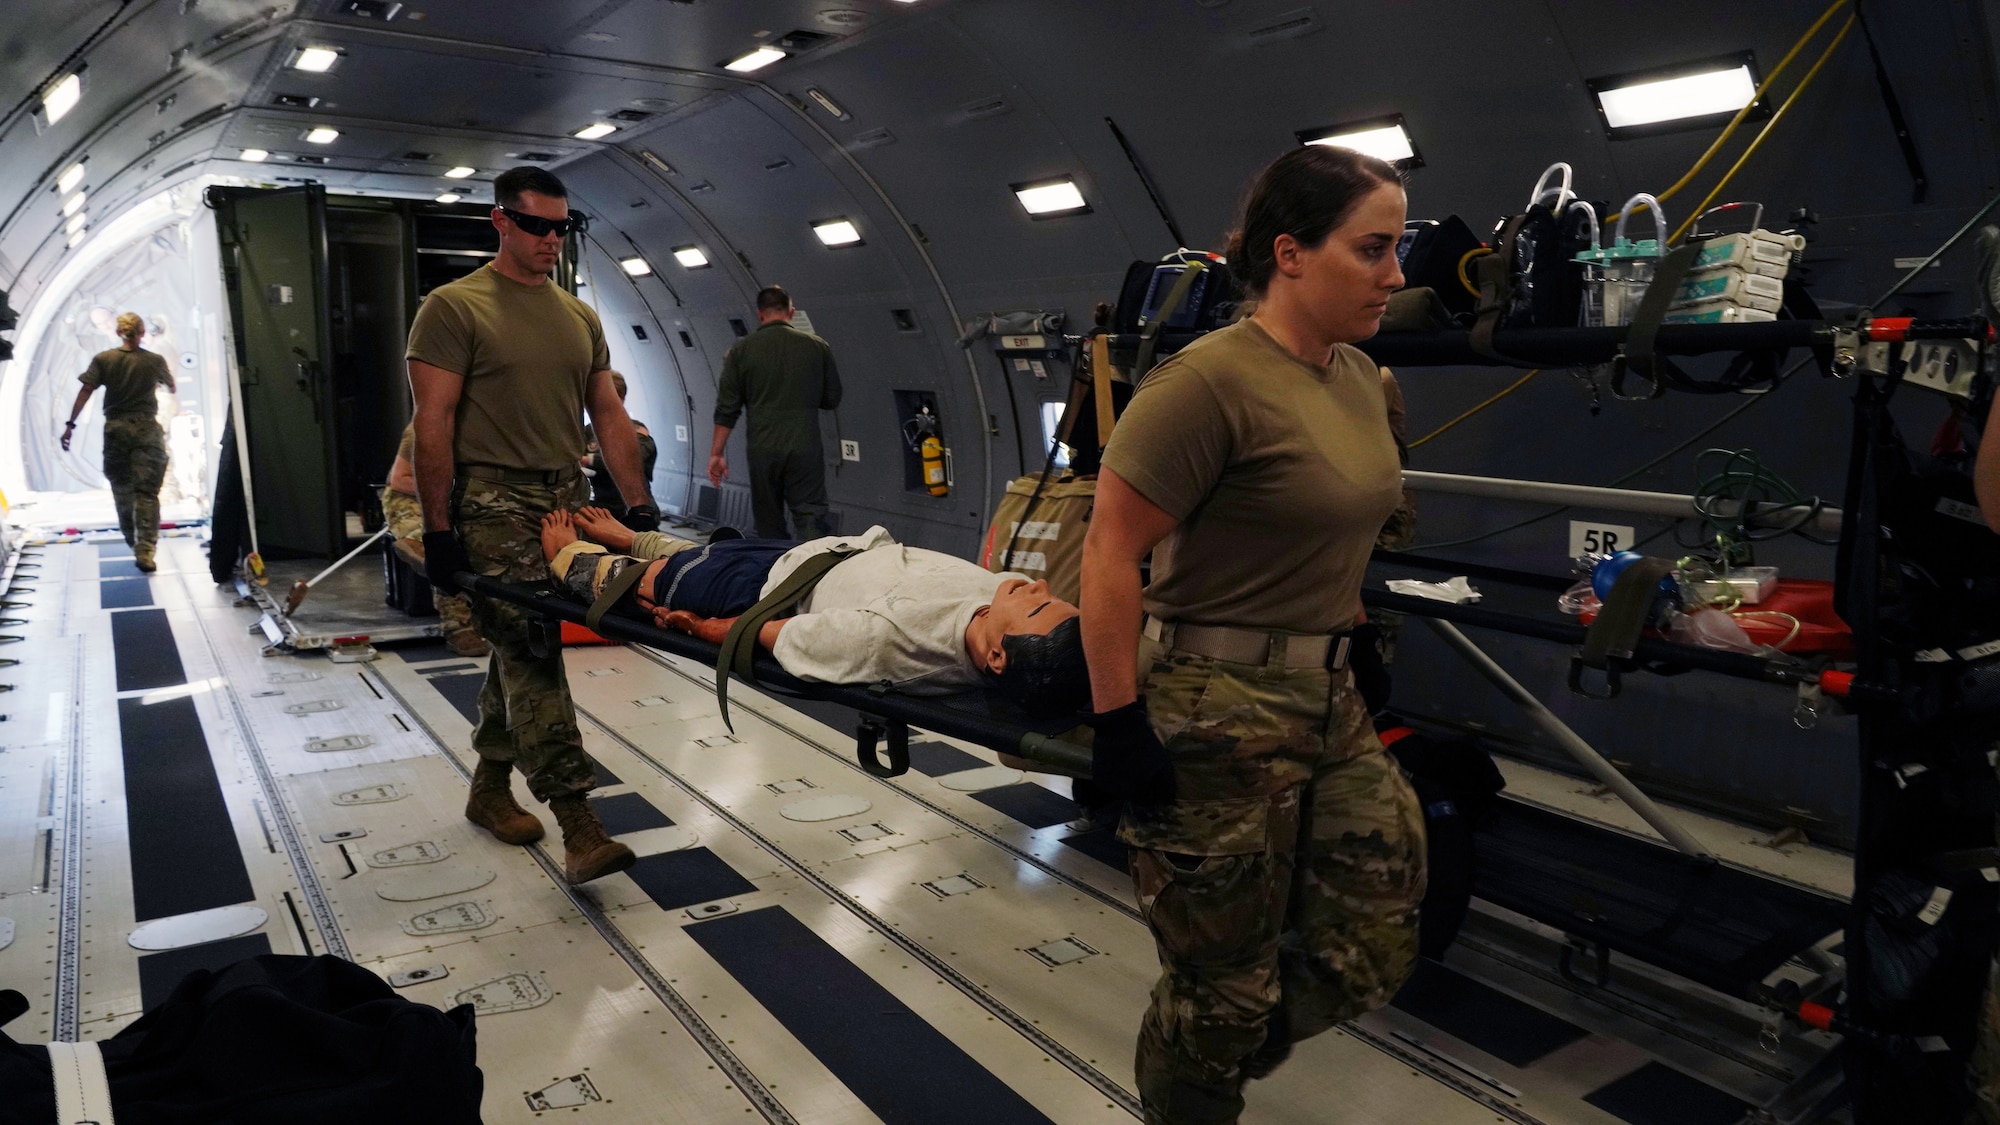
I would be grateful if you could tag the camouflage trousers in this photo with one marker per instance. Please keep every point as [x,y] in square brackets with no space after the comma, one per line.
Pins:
[405,517]
[1985,1070]
[525,713]
[135,465]
[1281,888]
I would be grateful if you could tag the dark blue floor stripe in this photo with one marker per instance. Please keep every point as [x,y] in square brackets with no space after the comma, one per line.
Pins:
[142,645]
[1102,845]
[684,878]
[463,692]
[160,972]
[1496,1023]
[417,652]
[1657,1094]
[628,812]
[935,759]
[903,1069]
[184,853]
[1030,804]
[124,593]
[126,567]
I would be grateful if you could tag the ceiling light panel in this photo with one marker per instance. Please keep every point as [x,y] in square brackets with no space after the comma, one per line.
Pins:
[459,172]
[635,267]
[1047,198]
[450,197]
[76,222]
[1674,99]
[73,204]
[595,131]
[256,155]
[755,60]
[1384,138]
[837,232]
[76,238]
[315,60]
[323,135]
[1690,95]
[61,97]
[691,257]
[72,176]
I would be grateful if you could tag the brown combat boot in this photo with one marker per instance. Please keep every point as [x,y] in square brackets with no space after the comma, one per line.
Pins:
[491,805]
[587,852]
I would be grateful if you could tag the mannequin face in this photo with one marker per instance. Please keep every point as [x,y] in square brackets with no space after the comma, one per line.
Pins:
[1019,607]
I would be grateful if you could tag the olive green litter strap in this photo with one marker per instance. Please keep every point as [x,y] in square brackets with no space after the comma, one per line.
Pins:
[739,646]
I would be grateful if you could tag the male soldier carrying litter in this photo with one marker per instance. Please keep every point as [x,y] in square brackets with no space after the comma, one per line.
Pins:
[503,366]
[135,448]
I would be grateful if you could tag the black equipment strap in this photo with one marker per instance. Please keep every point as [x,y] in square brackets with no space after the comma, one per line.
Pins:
[739,646]
[1495,274]
[1641,338]
[618,587]
[1614,635]
[1149,337]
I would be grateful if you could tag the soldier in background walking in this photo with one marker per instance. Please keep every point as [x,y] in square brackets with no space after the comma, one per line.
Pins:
[135,448]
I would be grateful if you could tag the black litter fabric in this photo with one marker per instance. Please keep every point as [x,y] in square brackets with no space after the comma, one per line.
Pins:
[298,1040]
[1030,804]
[902,1069]
[1657,1094]
[142,645]
[628,812]
[684,878]
[1717,925]
[184,852]
[1509,1030]
[124,593]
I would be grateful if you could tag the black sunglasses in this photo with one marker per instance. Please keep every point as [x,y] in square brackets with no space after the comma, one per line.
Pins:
[538,227]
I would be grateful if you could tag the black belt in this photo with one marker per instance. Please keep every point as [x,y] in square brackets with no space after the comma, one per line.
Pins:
[501,474]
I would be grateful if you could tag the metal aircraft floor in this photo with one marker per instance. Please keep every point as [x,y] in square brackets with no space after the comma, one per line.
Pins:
[800,942]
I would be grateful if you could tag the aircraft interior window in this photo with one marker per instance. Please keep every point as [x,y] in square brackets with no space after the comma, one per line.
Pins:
[639,331]
[1052,413]
[687,341]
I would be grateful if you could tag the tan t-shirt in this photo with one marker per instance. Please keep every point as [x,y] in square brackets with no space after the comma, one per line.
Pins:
[1279,470]
[128,379]
[527,353]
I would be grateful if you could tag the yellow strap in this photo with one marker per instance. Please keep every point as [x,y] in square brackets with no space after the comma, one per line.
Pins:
[1100,377]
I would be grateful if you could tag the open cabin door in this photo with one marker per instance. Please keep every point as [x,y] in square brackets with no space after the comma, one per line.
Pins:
[274,268]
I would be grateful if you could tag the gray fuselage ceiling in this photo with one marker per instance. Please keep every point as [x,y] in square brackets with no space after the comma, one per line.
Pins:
[942,106]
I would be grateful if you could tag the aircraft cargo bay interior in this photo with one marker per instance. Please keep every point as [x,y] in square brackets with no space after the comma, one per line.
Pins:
[999,561]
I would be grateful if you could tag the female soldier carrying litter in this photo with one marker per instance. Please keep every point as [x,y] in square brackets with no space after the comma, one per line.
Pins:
[1278,851]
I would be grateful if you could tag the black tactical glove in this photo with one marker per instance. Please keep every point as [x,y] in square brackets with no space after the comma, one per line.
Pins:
[1127,762]
[444,556]
[1371,673]
[642,517]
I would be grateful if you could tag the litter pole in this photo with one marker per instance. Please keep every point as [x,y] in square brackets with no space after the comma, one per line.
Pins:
[1570,741]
